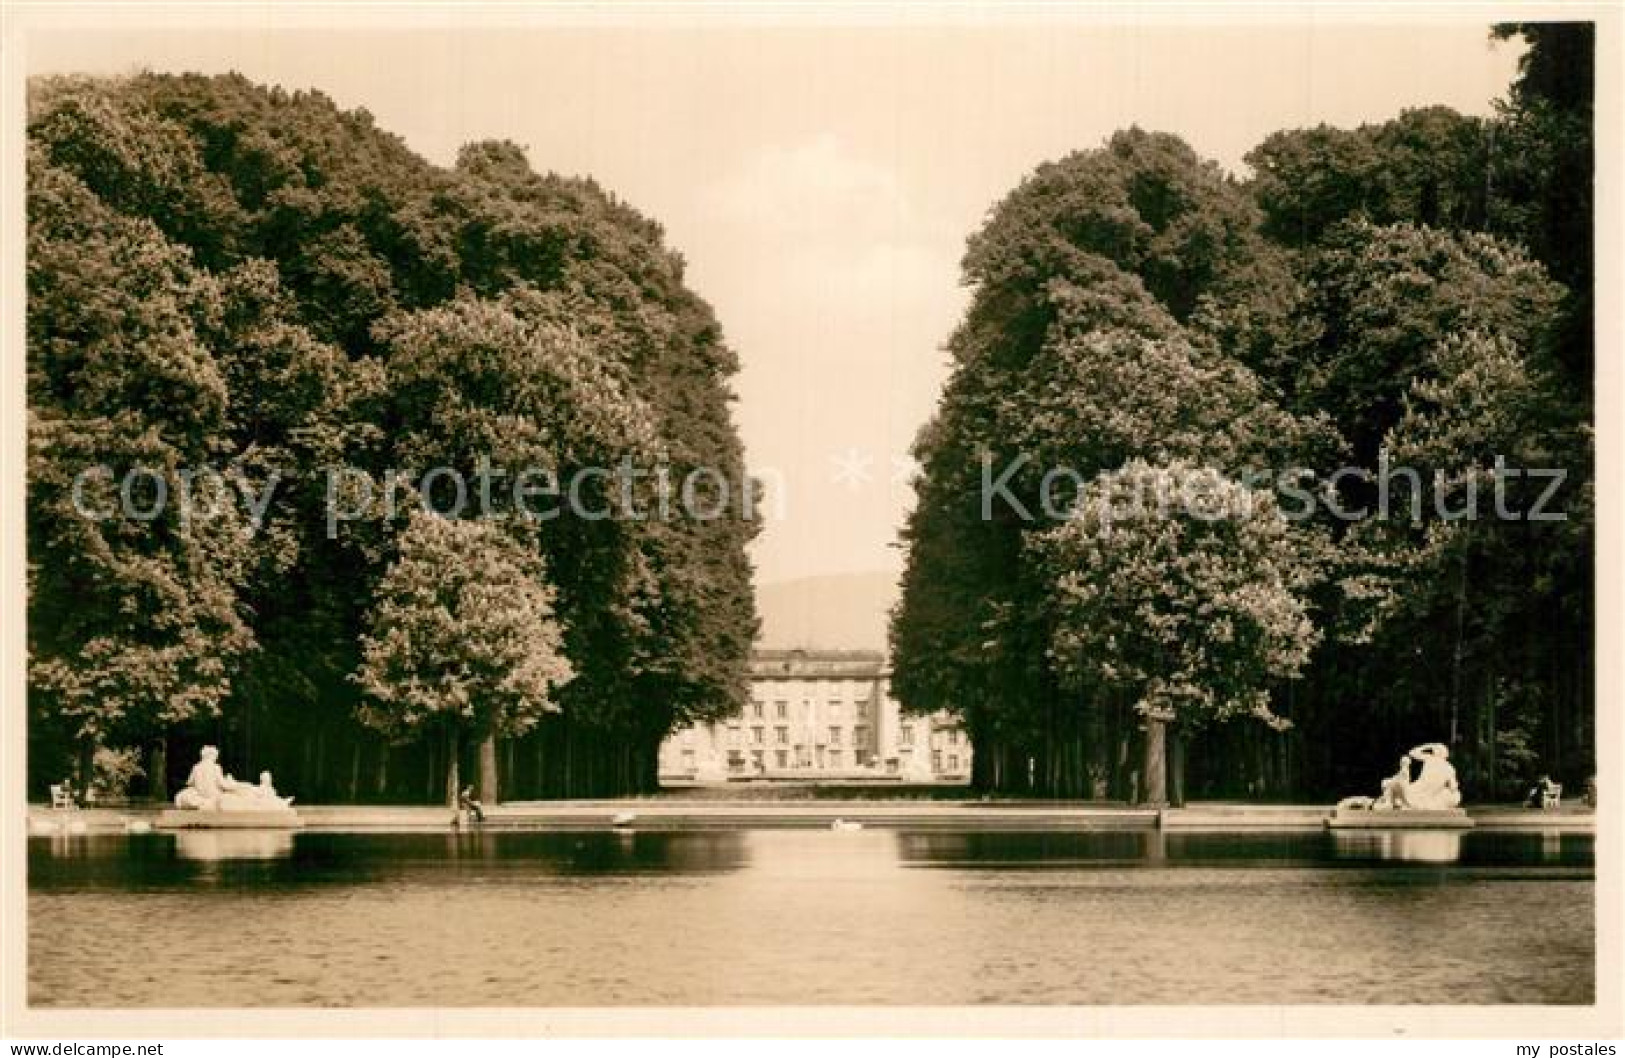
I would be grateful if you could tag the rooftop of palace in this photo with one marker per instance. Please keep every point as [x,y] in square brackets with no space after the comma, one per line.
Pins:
[793,662]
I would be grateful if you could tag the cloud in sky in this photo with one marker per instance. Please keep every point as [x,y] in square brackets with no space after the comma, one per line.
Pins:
[795,187]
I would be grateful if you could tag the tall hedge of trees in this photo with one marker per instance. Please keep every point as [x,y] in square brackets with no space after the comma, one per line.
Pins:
[1410,299]
[226,276]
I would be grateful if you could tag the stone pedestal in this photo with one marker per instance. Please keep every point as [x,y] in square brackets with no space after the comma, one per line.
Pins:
[189,819]
[1403,819]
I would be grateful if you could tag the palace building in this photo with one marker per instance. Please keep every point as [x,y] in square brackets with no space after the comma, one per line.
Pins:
[819,714]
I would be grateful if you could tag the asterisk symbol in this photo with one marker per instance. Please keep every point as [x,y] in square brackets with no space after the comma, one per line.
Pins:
[852,468]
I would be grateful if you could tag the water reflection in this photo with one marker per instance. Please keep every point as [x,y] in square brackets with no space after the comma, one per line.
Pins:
[1414,846]
[64,844]
[305,858]
[510,918]
[1104,848]
[212,846]
[1286,848]
[823,855]
[284,859]
[585,852]
[985,848]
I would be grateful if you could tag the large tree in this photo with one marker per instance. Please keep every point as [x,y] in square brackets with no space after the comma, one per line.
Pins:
[1370,295]
[287,265]
[136,619]
[1116,294]
[1182,591]
[462,641]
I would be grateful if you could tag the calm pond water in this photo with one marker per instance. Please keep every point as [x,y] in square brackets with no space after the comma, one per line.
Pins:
[808,917]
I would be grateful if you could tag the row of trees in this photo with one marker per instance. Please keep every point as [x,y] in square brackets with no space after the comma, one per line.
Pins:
[1133,564]
[256,283]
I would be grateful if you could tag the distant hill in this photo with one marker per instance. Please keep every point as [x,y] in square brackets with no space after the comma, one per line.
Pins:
[843,610]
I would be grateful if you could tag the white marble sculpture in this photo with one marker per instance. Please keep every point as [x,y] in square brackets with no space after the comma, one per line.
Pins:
[1434,789]
[204,785]
[209,789]
[246,797]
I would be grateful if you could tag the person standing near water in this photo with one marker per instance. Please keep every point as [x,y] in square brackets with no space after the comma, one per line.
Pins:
[466,802]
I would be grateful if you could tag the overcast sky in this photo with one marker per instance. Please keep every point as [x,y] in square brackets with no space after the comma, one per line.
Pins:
[821,183]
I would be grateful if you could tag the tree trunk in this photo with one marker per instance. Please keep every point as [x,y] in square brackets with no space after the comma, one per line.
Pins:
[454,780]
[158,770]
[1155,780]
[1458,653]
[320,786]
[1097,749]
[86,765]
[433,769]
[1176,767]
[1125,776]
[488,769]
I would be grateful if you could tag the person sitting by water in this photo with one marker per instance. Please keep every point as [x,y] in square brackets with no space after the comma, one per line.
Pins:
[1538,793]
[467,803]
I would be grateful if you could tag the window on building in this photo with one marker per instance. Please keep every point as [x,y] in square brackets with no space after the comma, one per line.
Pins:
[781,709]
[953,762]
[756,710]
[834,736]
[758,758]
[783,735]
[908,734]
[936,760]
[756,735]
[860,735]
[783,757]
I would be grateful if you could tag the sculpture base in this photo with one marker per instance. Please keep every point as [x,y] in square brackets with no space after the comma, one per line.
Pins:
[192,819]
[1400,819]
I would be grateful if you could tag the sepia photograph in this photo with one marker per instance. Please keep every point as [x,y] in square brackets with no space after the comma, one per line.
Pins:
[750,520]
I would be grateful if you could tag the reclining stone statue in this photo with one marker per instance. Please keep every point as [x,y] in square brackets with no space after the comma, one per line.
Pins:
[209,789]
[1434,789]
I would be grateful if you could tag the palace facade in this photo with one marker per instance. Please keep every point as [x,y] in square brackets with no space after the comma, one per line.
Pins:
[819,714]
